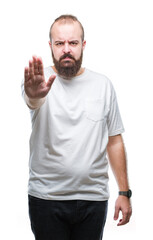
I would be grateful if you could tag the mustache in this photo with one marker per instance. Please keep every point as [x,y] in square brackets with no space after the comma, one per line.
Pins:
[66,55]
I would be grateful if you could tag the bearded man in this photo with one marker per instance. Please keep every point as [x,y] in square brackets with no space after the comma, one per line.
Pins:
[76,124]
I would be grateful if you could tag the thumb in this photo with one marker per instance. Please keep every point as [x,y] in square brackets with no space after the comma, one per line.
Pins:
[50,80]
[116,214]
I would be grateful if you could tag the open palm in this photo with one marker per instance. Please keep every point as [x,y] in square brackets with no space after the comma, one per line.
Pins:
[35,85]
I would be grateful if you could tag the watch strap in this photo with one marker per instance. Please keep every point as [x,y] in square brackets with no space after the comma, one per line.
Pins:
[126,193]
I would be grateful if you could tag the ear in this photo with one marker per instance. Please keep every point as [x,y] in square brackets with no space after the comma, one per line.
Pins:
[83,44]
[50,45]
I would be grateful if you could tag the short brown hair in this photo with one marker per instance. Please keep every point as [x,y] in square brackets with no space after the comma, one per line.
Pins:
[67,17]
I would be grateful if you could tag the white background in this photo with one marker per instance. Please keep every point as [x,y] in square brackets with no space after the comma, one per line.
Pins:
[119,36]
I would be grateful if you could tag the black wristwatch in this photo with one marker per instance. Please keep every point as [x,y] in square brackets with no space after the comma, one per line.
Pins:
[126,194]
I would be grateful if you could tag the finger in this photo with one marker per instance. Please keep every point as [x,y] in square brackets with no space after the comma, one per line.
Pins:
[121,222]
[116,214]
[26,74]
[40,66]
[51,80]
[35,63]
[124,220]
[31,69]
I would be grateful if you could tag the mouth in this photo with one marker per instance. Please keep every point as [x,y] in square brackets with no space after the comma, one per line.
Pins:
[67,59]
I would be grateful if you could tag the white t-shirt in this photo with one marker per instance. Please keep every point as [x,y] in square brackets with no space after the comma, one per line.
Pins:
[69,138]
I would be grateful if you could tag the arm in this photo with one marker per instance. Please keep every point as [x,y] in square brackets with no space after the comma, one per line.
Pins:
[117,158]
[35,85]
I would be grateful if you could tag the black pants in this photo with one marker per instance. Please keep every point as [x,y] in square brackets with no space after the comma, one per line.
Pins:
[67,220]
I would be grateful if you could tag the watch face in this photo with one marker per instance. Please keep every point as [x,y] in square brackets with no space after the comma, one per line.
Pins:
[129,193]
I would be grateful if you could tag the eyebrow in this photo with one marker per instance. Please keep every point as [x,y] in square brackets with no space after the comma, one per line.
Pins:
[60,41]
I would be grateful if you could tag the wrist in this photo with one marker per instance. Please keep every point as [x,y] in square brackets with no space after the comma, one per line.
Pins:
[34,103]
[127,194]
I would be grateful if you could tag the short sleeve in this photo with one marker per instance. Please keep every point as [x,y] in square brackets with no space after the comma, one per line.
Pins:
[22,89]
[114,121]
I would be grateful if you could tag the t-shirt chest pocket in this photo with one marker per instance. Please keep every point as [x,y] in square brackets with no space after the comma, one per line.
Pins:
[95,109]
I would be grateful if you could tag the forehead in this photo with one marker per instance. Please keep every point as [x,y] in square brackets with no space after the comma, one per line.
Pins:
[66,30]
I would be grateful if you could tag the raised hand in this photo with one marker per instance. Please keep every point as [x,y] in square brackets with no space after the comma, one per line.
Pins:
[34,81]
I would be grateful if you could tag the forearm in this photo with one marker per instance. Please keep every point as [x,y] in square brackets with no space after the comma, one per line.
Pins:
[34,103]
[118,161]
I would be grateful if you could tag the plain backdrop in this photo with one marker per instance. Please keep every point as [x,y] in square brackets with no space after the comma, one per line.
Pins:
[119,35]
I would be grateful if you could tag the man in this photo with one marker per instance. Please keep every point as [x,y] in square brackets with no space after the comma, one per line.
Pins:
[75,121]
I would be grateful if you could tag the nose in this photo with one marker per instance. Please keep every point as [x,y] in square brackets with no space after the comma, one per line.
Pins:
[66,48]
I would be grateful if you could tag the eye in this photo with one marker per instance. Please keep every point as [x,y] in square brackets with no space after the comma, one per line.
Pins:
[59,43]
[73,43]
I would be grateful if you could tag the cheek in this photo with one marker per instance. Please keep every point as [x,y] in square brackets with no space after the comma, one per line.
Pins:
[57,53]
[76,52]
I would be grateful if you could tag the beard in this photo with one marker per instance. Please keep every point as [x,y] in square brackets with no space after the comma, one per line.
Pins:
[67,68]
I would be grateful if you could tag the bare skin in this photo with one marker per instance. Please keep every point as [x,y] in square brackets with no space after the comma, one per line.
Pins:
[35,85]
[117,158]
[123,204]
